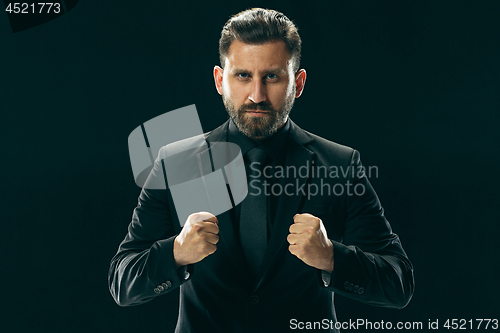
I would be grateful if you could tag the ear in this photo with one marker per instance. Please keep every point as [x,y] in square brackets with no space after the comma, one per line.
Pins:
[218,74]
[300,81]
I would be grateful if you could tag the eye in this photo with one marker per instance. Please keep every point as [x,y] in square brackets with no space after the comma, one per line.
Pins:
[271,76]
[242,75]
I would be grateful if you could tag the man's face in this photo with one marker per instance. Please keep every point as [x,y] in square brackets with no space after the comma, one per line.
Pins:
[258,86]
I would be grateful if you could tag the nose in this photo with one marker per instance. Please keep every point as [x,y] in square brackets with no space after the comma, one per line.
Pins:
[258,93]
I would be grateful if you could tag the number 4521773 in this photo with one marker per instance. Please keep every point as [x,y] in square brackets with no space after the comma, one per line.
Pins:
[33,8]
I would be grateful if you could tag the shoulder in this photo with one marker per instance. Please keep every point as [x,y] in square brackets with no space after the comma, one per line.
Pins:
[331,146]
[328,150]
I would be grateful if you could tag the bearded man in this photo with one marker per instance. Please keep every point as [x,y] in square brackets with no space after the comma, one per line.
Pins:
[274,262]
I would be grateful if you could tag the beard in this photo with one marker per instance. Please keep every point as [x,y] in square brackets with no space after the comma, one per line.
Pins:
[259,127]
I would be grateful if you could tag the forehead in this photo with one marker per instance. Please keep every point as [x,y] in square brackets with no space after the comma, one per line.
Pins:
[258,56]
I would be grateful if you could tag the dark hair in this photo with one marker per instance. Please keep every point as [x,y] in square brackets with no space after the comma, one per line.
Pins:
[259,26]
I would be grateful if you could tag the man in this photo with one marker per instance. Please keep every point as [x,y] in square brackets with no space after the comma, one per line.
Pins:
[275,260]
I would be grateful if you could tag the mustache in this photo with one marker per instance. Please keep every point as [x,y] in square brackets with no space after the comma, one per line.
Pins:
[259,107]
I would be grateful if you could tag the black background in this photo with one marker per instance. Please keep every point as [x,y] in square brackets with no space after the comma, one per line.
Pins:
[413,85]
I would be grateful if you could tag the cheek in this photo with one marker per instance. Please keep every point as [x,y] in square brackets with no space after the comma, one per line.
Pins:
[280,94]
[230,90]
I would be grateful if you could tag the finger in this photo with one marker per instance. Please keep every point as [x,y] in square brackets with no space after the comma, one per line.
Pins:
[306,219]
[210,248]
[294,249]
[296,228]
[212,219]
[209,227]
[300,218]
[293,239]
[211,238]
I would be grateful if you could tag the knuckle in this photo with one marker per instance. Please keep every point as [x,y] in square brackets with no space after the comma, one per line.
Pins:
[206,214]
[197,238]
[194,217]
[200,216]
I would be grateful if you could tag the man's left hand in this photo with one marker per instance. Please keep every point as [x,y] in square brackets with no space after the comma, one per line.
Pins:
[309,242]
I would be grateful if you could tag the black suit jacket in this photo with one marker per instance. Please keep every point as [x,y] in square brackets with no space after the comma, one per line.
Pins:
[216,294]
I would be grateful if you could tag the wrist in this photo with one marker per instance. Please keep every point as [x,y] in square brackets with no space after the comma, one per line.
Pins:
[177,254]
[329,261]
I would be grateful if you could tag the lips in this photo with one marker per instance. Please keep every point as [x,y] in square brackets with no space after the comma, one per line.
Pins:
[257,113]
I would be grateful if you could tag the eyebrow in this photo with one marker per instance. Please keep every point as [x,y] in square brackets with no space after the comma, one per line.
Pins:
[274,70]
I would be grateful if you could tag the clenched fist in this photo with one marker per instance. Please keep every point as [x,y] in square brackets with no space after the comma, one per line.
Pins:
[197,240]
[309,242]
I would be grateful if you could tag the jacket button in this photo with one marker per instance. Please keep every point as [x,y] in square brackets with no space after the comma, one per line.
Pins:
[164,285]
[361,290]
[156,290]
[346,285]
[169,284]
[356,287]
[160,288]
[254,299]
[351,286]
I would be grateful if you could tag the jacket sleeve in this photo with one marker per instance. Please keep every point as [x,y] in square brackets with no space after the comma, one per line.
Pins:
[370,264]
[144,266]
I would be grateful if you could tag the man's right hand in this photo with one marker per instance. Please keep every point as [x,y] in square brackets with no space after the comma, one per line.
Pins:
[197,240]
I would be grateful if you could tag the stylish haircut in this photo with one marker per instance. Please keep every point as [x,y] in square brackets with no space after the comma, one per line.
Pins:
[259,26]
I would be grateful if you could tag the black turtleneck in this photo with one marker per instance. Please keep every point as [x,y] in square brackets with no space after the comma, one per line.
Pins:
[275,146]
